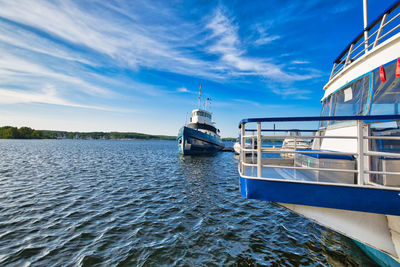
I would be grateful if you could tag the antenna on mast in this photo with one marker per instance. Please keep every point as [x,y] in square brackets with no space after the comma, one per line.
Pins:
[207,99]
[200,96]
[365,8]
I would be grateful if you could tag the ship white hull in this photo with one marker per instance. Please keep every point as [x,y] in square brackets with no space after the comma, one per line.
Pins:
[378,231]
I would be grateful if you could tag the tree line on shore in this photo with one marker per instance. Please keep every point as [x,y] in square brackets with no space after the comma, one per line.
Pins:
[10,132]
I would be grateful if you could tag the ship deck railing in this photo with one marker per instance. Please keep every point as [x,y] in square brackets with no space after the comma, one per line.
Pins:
[262,156]
[382,28]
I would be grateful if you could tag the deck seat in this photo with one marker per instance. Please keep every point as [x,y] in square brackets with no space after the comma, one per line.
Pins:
[315,160]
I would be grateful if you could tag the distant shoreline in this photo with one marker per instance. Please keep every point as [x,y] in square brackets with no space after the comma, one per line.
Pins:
[10,132]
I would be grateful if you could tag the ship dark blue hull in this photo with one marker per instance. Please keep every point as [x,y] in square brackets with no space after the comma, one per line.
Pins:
[192,141]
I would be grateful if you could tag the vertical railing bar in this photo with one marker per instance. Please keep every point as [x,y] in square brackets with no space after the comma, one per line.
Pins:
[348,55]
[242,153]
[367,146]
[380,30]
[259,156]
[365,9]
[333,69]
[395,28]
[360,150]
[252,152]
[393,18]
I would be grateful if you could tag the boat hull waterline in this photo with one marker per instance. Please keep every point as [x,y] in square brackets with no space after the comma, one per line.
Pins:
[192,142]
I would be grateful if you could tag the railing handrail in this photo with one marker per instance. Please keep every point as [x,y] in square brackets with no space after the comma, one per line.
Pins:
[346,57]
[283,130]
[370,118]
[369,27]
[361,156]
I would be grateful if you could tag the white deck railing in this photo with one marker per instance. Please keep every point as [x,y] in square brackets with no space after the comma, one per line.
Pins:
[257,155]
[382,28]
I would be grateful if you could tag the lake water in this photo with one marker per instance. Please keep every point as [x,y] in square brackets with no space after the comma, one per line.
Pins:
[134,203]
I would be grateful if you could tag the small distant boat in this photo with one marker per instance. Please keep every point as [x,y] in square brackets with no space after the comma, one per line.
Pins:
[236,147]
[290,142]
[200,136]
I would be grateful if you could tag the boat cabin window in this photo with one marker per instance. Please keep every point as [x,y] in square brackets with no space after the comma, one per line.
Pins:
[349,101]
[386,96]
[203,114]
[353,99]
[325,111]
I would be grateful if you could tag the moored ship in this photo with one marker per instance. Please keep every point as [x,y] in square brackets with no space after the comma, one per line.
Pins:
[349,181]
[200,136]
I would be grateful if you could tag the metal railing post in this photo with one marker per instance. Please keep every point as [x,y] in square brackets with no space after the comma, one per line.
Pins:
[252,152]
[365,8]
[259,156]
[360,152]
[378,35]
[367,148]
[349,55]
[295,145]
[242,145]
[333,70]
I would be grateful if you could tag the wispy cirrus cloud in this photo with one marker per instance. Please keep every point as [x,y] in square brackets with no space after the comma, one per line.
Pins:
[13,67]
[299,62]
[233,55]
[182,90]
[123,41]
[48,95]
[126,41]
[263,37]
[293,93]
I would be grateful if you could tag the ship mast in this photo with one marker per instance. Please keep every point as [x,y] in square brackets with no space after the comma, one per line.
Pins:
[200,96]
[365,8]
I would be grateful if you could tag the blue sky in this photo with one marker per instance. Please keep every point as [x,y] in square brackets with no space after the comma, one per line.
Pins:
[137,65]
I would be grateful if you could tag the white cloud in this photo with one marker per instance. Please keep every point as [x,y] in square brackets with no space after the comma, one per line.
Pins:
[183,90]
[47,95]
[299,62]
[233,57]
[292,92]
[263,36]
[16,67]
[127,43]
[18,37]
[266,40]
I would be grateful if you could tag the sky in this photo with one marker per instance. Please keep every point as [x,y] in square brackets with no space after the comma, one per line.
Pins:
[137,65]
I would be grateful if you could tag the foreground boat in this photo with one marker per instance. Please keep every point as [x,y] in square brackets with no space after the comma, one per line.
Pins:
[200,136]
[349,181]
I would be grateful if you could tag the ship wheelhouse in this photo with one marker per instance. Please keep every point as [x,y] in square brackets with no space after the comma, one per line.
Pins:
[201,120]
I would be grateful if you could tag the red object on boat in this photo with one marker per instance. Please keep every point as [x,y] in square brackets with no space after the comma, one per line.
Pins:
[382,74]
[398,68]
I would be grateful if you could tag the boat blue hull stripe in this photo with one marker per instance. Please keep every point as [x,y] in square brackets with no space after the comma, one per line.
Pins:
[372,200]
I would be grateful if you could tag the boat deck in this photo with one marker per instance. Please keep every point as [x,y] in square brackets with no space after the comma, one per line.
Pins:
[304,174]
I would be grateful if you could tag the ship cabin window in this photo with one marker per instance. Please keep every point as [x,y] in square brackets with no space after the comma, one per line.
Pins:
[349,101]
[203,114]
[354,98]
[325,111]
[386,95]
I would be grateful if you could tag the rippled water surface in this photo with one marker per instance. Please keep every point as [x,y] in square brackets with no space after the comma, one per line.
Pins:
[134,203]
